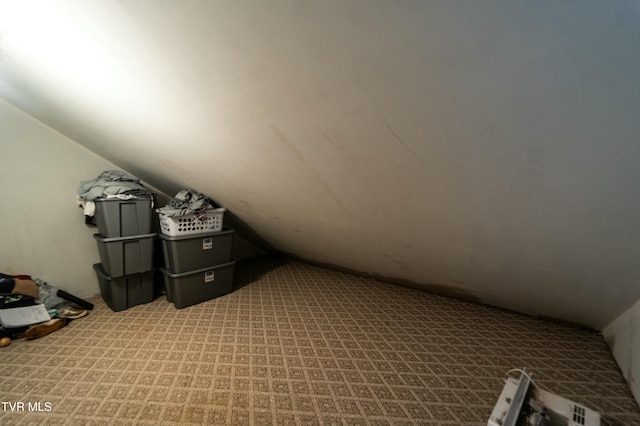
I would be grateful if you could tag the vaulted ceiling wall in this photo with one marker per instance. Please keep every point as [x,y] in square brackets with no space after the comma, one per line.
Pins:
[486,148]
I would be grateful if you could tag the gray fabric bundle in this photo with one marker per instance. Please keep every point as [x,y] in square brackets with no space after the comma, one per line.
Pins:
[187,202]
[112,183]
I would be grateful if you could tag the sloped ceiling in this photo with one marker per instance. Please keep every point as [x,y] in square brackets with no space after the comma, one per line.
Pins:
[488,148]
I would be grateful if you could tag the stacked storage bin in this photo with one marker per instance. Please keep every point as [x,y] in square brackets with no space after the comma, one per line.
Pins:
[197,257]
[126,248]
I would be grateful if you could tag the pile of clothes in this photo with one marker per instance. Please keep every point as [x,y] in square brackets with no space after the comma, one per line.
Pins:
[109,184]
[187,202]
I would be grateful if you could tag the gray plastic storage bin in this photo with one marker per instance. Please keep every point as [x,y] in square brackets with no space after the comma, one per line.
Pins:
[126,255]
[193,287]
[191,252]
[127,291]
[123,218]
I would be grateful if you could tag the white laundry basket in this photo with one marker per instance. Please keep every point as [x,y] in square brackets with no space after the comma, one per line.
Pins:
[208,221]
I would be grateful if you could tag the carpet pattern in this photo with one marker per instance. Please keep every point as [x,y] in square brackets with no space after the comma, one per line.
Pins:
[299,344]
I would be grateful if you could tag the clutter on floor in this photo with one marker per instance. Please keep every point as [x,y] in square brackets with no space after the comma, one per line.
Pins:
[24,316]
[522,402]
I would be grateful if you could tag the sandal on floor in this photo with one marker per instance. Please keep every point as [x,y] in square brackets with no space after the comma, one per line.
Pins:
[40,330]
[71,313]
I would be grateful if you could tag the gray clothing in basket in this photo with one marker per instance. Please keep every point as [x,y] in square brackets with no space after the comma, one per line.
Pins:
[187,202]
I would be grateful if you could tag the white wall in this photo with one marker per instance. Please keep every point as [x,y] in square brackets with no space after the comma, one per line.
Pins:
[623,336]
[42,231]
[489,147]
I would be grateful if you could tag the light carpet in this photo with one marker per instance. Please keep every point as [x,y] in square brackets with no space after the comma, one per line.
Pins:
[302,345]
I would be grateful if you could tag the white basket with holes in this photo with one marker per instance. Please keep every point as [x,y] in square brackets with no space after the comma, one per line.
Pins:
[208,221]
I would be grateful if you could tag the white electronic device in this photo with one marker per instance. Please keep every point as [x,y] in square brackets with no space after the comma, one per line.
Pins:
[522,403]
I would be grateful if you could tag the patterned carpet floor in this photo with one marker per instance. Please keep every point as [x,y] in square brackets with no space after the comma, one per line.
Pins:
[302,345]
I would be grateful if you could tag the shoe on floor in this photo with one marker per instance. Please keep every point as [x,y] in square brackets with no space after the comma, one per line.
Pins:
[40,330]
[70,312]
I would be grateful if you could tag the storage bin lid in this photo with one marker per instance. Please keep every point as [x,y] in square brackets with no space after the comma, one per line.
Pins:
[100,270]
[112,199]
[196,236]
[130,237]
